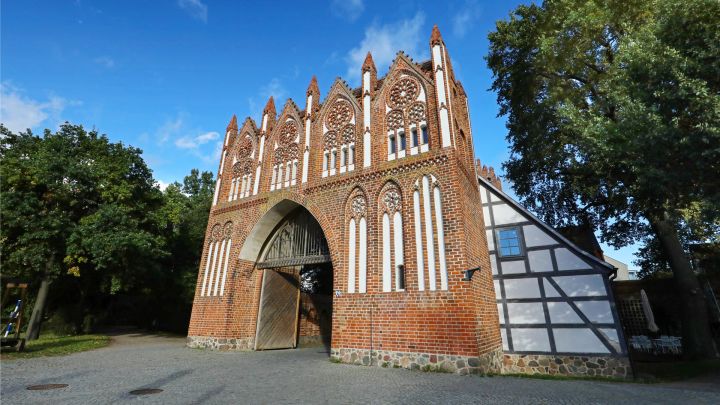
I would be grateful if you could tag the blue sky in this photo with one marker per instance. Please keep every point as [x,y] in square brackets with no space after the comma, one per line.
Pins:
[167,75]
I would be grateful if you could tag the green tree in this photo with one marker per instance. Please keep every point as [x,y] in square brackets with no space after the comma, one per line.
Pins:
[613,112]
[76,205]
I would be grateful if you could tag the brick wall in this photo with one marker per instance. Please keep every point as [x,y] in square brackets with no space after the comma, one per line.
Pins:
[461,321]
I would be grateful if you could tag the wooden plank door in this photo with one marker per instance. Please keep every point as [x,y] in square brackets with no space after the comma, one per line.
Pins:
[278,313]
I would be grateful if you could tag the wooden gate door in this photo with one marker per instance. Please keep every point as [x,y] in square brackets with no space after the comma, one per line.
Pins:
[278,313]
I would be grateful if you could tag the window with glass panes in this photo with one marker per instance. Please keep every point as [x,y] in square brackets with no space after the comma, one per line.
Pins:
[509,242]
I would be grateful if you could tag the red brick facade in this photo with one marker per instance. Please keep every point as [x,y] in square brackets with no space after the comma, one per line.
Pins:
[460,320]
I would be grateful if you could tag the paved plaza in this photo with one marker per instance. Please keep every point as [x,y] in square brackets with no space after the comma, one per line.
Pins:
[189,376]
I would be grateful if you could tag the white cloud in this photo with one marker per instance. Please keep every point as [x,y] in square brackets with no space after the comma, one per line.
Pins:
[105,61]
[385,41]
[162,185]
[19,112]
[194,8]
[347,9]
[188,142]
[274,88]
[464,19]
[170,128]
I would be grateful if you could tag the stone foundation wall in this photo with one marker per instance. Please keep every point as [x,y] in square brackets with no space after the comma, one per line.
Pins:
[484,364]
[215,343]
[578,366]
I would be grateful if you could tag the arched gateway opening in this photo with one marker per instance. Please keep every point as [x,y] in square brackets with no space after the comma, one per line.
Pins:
[295,305]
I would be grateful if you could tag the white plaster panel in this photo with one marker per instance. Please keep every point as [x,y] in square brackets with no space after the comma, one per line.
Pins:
[386,252]
[490,239]
[540,260]
[363,255]
[513,267]
[567,260]
[483,195]
[562,312]
[351,256]
[526,312]
[596,311]
[493,264]
[522,288]
[534,236]
[530,340]
[501,313]
[505,214]
[496,282]
[550,291]
[503,335]
[494,197]
[436,55]
[577,340]
[486,215]
[582,286]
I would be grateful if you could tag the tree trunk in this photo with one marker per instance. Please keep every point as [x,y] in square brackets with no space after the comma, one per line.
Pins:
[33,330]
[697,338]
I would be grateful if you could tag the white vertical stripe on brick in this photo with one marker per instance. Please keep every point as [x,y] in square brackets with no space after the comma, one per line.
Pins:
[222,161]
[351,256]
[398,237]
[225,267]
[441,239]
[386,252]
[363,256]
[207,269]
[257,180]
[219,267]
[212,268]
[429,236]
[217,190]
[418,241]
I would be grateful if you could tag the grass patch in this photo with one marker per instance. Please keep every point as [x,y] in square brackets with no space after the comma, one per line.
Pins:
[53,345]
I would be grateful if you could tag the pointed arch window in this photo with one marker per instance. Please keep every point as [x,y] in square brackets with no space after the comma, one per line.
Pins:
[339,138]
[357,244]
[393,258]
[429,234]
[284,171]
[217,261]
[406,119]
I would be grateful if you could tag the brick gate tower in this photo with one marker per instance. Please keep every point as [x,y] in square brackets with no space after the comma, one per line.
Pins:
[350,223]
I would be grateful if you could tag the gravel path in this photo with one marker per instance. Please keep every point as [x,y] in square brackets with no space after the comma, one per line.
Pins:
[188,376]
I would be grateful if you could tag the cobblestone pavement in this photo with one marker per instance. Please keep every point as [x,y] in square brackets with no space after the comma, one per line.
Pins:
[289,376]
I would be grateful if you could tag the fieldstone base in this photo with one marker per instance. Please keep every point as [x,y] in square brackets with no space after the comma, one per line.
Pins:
[579,366]
[215,343]
[447,363]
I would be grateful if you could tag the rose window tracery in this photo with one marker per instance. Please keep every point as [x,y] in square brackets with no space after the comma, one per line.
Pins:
[245,148]
[403,92]
[395,120]
[330,139]
[358,205]
[416,114]
[340,114]
[227,229]
[288,133]
[216,232]
[244,166]
[392,200]
[348,133]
